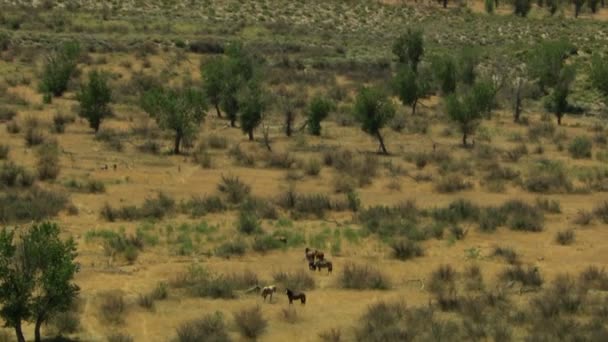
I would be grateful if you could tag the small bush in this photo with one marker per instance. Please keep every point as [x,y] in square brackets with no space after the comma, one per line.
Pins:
[217,141]
[312,167]
[331,335]
[523,217]
[601,211]
[48,162]
[250,322]
[299,280]
[230,248]
[201,206]
[36,205]
[580,147]
[13,127]
[60,121]
[160,291]
[548,176]
[583,217]
[210,327]
[146,302]
[508,254]
[120,337]
[6,114]
[550,206]
[4,149]
[490,219]
[265,243]
[280,160]
[67,322]
[235,190]
[594,278]
[453,183]
[406,249]
[360,277]
[565,237]
[527,277]
[442,279]
[113,307]
[13,175]
[34,136]
[248,223]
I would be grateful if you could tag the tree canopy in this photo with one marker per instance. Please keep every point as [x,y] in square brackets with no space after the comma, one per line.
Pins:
[94,98]
[373,110]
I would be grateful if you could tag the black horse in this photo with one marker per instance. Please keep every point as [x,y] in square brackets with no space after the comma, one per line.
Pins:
[318,265]
[295,296]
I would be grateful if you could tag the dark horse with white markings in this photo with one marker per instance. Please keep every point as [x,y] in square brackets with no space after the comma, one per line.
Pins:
[295,296]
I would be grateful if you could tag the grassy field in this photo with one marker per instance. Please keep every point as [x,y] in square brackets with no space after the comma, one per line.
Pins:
[504,240]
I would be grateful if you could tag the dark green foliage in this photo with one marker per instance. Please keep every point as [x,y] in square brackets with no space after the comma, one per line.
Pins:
[13,175]
[388,222]
[360,277]
[580,147]
[599,73]
[251,107]
[265,243]
[58,69]
[547,176]
[94,99]
[557,102]
[235,190]
[445,74]
[33,205]
[483,93]
[36,282]
[248,223]
[250,322]
[411,86]
[409,48]
[522,7]
[469,58]
[406,249]
[465,113]
[201,206]
[373,109]
[212,74]
[593,5]
[578,5]
[210,327]
[522,216]
[318,111]
[179,110]
[565,237]
[527,277]
[152,208]
[239,71]
[547,61]
[4,149]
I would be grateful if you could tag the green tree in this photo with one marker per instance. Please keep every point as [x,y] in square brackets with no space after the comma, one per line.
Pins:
[94,98]
[445,75]
[484,94]
[212,74]
[36,274]
[546,62]
[287,106]
[318,111]
[469,58]
[522,7]
[409,48]
[179,110]
[252,105]
[411,87]
[373,109]
[239,70]
[466,112]
[58,69]
[599,74]
[557,101]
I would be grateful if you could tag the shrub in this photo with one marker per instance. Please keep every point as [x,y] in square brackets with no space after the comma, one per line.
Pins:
[528,277]
[565,237]
[150,146]
[331,335]
[34,136]
[361,277]
[145,301]
[250,322]
[113,307]
[248,223]
[59,68]
[601,211]
[508,254]
[491,218]
[314,204]
[160,291]
[217,141]
[550,206]
[33,205]
[210,327]
[299,280]
[580,147]
[48,162]
[201,206]
[13,127]
[442,279]
[594,278]
[4,149]
[265,243]
[120,337]
[12,175]
[60,121]
[6,114]
[522,7]
[312,167]
[229,248]
[522,216]
[583,217]
[406,249]
[547,176]
[67,322]
[562,296]
[234,188]
[453,183]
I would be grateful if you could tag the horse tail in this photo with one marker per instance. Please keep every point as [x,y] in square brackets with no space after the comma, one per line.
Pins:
[303,298]
[330,267]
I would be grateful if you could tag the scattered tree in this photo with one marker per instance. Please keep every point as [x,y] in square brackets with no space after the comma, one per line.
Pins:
[373,109]
[94,98]
[318,111]
[180,110]
[36,273]
[212,74]
[469,58]
[444,69]
[58,69]
[229,100]
[484,93]
[287,107]
[599,74]
[466,111]
[409,48]
[557,101]
[239,70]
[578,5]
[522,7]
[547,61]
[251,104]
[411,87]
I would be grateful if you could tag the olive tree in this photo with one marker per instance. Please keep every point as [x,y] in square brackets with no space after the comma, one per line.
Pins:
[238,71]
[466,111]
[179,110]
[37,270]
[445,73]
[252,105]
[58,69]
[557,101]
[94,99]
[373,110]
[318,110]
[411,87]
[409,48]
[212,74]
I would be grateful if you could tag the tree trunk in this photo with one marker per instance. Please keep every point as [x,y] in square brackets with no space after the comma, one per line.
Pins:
[19,332]
[232,122]
[414,107]
[217,109]
[178,140]
[445,3]
[37,337]
[464,139]
[381,140]
[559,119]
[577,9]
[250,133]
[517,103]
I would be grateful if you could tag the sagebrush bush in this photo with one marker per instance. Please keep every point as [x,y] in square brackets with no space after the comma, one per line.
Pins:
[34,136]
[452,183]
[547,205]
[405,249]
[66,322]
[583,217]
[113,307]
[522,216]
[527,277]
[601,211]
[548,176]
[508,254]
[360,277]
[35,204]
[331,335]
[265,243]
[296,281]
[312,167]
[250,322]
[227,249]
[236,191]
[201,206]
[565,237]
[4,150]
[120,337]
[13,175]
[248,223]
[210,327]
[580,147]
[47,163]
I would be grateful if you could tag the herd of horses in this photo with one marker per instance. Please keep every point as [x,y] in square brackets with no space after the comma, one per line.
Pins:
[316,261]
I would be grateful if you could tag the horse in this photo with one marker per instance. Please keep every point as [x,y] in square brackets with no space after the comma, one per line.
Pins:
[311,255]
[268,291]
[295,296]
[323,264]
[311,265]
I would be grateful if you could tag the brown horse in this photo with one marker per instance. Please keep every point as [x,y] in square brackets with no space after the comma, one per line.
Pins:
[311,255]
[318,265]
[295,296]
[268,291]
